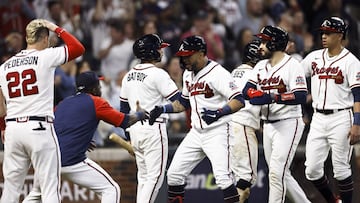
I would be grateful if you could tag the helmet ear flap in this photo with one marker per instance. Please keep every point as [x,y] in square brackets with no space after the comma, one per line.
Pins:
[270,46]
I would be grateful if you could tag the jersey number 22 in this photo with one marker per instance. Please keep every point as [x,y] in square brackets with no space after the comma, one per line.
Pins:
[26,87]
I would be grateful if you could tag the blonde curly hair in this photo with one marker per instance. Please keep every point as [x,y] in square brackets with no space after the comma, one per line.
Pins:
[36,30]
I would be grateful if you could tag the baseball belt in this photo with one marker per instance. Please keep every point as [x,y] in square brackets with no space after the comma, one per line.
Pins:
[328,111]
[31,118]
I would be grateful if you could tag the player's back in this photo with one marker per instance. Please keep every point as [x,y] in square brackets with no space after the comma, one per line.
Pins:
[149,85]
[27,81]
[75,125]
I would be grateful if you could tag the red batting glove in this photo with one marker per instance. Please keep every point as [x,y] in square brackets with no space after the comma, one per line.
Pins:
[252,93]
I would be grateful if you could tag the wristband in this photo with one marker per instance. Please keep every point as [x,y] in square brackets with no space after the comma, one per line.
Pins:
[59,31]
[168,108]
[357,118]
[225,110]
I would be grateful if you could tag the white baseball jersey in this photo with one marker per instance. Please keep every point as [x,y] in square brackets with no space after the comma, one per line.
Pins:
[151,86]
[153,83]
[205,90]
[27,81]
[250,114]
[285,76]
[332,78]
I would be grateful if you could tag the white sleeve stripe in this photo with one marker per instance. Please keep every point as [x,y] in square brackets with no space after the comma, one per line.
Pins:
[66,54]
[354,85]
[123,99]
[252,82]
[299,89]
[185,97]
[234,95]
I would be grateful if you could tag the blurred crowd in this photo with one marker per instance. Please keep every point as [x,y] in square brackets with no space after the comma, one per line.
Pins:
[108,29]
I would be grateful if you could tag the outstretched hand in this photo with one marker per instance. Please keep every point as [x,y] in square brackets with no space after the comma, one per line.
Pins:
[155,113]
[210,116]
[141,113]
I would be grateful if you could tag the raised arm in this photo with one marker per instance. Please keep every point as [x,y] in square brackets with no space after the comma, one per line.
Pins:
[75,48]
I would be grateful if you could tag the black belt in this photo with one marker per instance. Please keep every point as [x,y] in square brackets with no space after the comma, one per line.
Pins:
[30,118]
[272,121]
[327,111]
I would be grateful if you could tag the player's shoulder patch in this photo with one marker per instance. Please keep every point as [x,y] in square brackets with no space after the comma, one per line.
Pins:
[357,76]
[232,85]
[300,80]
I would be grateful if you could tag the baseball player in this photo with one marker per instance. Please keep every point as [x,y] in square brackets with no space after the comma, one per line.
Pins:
[335,126]
[278,85]
[245,122]
[27,80]
[151,86]
[76,120]
[211,93]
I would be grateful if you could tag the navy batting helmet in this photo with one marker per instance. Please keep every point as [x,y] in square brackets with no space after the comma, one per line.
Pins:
[251,52]
[190,45]
[335,25]
[276,37]
[146,48]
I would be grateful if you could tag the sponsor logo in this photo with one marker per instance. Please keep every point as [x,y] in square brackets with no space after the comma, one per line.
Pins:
[69,191]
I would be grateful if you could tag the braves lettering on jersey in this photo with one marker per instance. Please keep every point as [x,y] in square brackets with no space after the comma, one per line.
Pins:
[205,91]
[332,81]
[286,76]
[332,78]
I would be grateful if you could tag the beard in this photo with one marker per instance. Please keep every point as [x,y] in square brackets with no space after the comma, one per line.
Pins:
[267,55]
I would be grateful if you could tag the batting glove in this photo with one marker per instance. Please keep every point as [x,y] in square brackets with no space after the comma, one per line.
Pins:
[142,115]
[155,113]
[252,93]
[210,116]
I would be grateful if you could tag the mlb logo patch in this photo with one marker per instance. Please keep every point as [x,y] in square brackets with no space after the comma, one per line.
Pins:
[232,86]
[300,80]
[357,76]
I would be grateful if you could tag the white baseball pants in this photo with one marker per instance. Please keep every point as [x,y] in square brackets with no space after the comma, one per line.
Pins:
[280,140]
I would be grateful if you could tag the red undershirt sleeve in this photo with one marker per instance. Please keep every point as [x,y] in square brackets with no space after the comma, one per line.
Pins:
[75,47]
[107,113]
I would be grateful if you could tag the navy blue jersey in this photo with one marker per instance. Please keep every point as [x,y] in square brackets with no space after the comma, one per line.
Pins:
[76,120]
